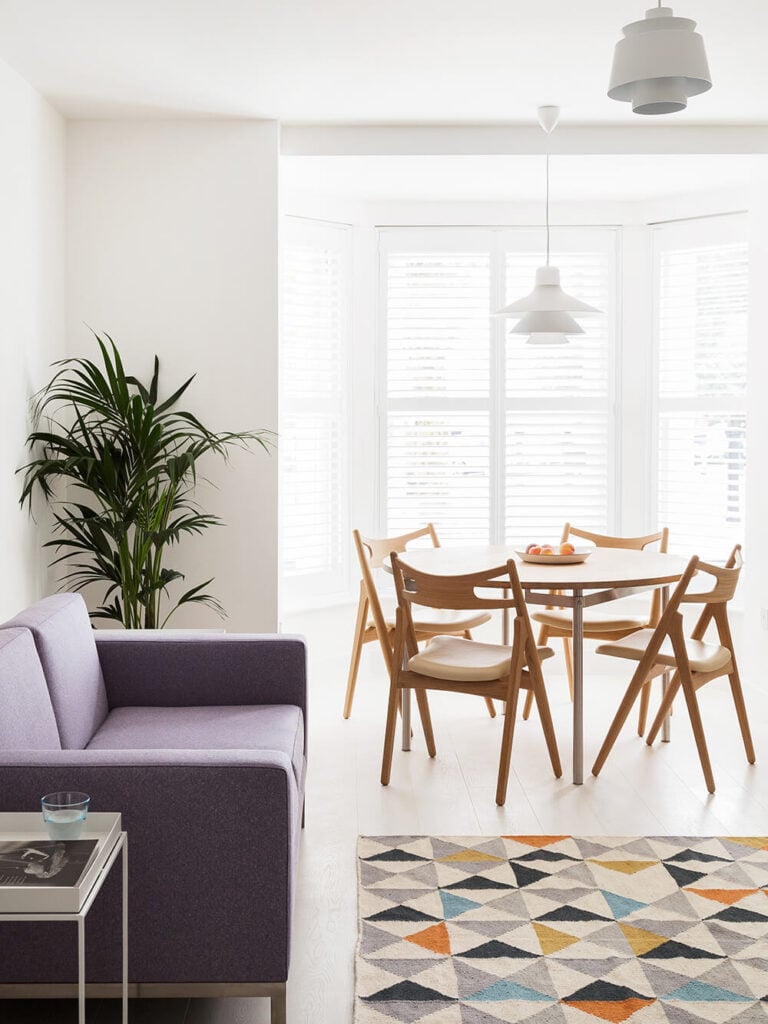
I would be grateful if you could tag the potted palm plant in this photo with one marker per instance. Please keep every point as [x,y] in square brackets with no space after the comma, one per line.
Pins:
[118,466]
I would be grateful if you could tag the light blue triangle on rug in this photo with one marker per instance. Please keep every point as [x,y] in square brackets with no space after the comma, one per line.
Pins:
[700,992]
[501,990]
[621,905]
[454,905]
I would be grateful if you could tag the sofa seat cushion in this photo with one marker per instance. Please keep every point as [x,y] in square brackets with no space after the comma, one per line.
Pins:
[239,727]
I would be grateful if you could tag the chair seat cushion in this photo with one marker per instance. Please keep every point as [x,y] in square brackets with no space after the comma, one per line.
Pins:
[703,657]
[252,727]
[559,618]
[453,658]
[438,620]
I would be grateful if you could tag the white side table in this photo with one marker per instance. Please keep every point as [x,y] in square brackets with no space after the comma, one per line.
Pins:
[70,902]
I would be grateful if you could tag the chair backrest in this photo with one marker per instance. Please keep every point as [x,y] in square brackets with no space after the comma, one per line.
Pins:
[715,600]
[726,580]
[601,540]
[373,551]
[459,593]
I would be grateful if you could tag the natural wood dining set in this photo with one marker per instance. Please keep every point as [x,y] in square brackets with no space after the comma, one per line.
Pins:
[441,594]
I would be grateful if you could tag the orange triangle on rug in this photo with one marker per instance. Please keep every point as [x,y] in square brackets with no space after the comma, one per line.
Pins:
[728,896]
[615,1011]
[435,939]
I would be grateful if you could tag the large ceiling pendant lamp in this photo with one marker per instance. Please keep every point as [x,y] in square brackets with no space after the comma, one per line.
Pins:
[659,63]
[546,314]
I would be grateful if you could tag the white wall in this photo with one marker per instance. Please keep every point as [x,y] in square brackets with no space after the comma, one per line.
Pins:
[172,248]
[32,144]
[756,548]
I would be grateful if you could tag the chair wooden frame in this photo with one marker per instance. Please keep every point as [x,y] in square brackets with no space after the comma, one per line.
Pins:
[671,627]
[461,592]
[593,632]
[371,554]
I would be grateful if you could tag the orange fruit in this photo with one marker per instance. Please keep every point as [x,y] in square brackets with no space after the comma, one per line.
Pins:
[567,549]
[546,550]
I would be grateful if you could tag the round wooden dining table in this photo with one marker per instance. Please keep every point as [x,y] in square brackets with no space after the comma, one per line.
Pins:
[607,575]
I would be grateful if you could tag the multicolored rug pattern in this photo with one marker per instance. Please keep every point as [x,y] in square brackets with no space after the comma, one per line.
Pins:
[562,929]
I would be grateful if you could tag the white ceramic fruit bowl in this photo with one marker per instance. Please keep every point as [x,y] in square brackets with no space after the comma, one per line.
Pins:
[581,554]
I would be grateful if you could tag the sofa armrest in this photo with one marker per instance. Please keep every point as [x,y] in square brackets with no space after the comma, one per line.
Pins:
[154,668]
[213,843]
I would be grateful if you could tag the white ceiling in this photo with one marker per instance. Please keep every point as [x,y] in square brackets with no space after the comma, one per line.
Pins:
[364,60]
[513,178]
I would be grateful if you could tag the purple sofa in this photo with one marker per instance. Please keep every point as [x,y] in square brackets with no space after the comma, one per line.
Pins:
[199,740]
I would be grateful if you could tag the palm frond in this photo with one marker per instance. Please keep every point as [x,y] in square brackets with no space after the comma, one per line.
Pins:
[130,463]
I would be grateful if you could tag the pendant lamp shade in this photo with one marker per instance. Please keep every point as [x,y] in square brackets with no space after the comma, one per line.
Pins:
[659,63]
[542,322]
[542,338]
[547,297]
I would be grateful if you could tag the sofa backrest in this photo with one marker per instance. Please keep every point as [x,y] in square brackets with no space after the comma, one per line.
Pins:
[67,650]
[27,721]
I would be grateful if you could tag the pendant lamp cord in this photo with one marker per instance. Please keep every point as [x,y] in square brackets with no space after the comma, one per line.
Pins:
[547,199]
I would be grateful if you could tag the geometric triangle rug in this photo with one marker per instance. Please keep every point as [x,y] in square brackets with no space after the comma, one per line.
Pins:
[562,930]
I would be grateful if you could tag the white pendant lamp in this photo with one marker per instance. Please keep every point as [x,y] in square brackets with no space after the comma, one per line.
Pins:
[659,63]
[546,314]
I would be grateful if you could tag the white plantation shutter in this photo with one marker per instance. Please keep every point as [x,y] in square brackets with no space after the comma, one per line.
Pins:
[436,432]
[557,471]
[490,438]
[313,417]
[438,471]
[437,324]
[701,315]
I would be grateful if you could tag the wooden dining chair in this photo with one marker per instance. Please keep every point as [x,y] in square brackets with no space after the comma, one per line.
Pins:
[374,623]
[457,665]
[694,660]
[558,622]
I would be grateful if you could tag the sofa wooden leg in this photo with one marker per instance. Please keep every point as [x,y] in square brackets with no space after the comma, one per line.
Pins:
[277,1006]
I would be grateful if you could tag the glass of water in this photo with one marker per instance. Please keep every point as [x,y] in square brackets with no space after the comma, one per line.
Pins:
[64,814]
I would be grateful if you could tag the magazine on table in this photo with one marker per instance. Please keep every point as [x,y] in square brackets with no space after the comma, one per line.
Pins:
[37,862]
[44,875]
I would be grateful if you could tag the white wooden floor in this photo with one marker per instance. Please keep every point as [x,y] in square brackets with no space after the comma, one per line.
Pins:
[640,792]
